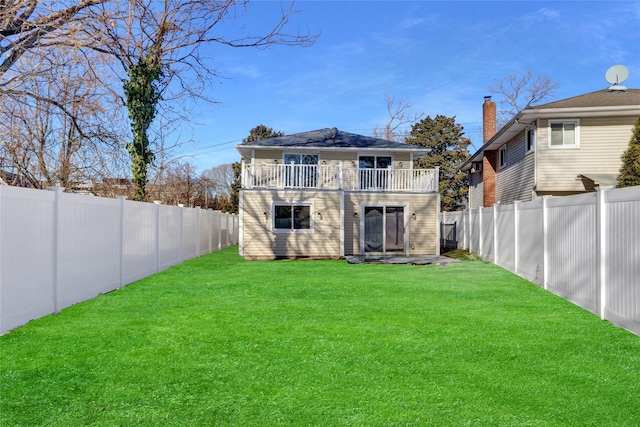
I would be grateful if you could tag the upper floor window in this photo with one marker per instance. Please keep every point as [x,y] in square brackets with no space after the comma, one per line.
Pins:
[530,139]
[502,156]
[300,170]
[300,159]
[564,133]
[378,162]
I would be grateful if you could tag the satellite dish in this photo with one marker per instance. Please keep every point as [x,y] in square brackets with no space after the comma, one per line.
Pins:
[616,75]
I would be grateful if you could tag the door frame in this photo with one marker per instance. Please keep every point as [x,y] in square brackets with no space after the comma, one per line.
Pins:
[384,205]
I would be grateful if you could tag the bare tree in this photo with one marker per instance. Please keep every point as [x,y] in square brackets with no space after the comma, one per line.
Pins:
[58,128]
[27,25]
[399,116]
[158,47]
[216,185]
[518,92]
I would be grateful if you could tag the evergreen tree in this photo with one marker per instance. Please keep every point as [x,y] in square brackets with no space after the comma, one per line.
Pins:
[258,133]
[261,132]
[630,171]
[449,150]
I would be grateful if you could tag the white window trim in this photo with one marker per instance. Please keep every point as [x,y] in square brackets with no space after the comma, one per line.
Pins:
[526,139]
[565,146]
[375,154]
[501,164]
[406,216]
[275,230]
[300,153]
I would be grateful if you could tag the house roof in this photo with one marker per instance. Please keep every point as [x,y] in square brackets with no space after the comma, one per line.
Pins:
[330,139]
[602,103]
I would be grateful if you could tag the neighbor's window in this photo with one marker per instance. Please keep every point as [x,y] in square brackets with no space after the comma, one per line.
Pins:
[530,139]
[292,217]
[564,134]
[503,156]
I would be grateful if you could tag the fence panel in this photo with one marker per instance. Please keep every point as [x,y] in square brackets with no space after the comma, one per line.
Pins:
[27,263]
[530,253]
[585,248]
[205,232]
[486,233]
[571,249]
[622,249]
[474,231]
[89,237]
[190,238]
[170,229]
[505,237]
[140,240]
[57,249]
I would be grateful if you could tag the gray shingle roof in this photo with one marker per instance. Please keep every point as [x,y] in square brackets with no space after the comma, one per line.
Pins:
[331,138]
[601,98]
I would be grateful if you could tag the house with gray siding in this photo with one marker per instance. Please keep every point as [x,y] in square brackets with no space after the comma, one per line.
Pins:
[564,147]
[329,194]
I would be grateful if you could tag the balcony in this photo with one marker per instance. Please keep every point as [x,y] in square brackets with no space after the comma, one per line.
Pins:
[336,177]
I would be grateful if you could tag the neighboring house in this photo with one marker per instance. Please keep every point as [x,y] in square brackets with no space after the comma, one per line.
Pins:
[329,194]
[564,147]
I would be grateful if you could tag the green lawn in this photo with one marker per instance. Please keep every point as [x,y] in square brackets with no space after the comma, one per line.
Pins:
[221,341]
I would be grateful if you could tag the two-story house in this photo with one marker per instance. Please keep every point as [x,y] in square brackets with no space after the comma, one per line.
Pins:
[329,194]
[560,148]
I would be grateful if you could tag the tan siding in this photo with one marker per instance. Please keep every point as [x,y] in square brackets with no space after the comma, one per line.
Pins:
[260,242]
[267,156]
[516,180]
[602,142]
[422,231]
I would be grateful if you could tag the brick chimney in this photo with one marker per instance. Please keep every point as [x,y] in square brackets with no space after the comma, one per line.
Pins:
[489,158]
[488,118]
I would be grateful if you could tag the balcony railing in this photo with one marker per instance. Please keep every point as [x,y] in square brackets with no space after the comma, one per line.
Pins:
[335,177]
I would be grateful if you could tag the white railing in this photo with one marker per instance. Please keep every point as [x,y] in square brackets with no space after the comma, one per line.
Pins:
[290,176]
[335,177]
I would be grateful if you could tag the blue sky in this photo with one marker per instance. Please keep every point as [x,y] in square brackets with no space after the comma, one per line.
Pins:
[438,56]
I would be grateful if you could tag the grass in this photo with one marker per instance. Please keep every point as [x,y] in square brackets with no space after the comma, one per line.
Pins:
[221,341]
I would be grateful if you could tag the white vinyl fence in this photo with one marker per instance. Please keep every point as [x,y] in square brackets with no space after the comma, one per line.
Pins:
[57,249]
[585,248]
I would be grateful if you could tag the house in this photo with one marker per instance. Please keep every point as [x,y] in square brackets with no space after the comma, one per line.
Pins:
[564,147]
[329,194]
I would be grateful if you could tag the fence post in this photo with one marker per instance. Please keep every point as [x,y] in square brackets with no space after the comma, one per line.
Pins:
[157,203]
[122,219]
[56,246]
[181,206]
[219,230]
[495,234]
[198,230]
[480,245]
[545,243]
[601,252]
[209,214]
[516,238]
[465,233]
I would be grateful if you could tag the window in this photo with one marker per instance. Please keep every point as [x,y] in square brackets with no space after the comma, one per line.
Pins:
[378,162]
[564,134]
[374,171]
[300,170]
[530,137]
[290,217]
[503,156]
